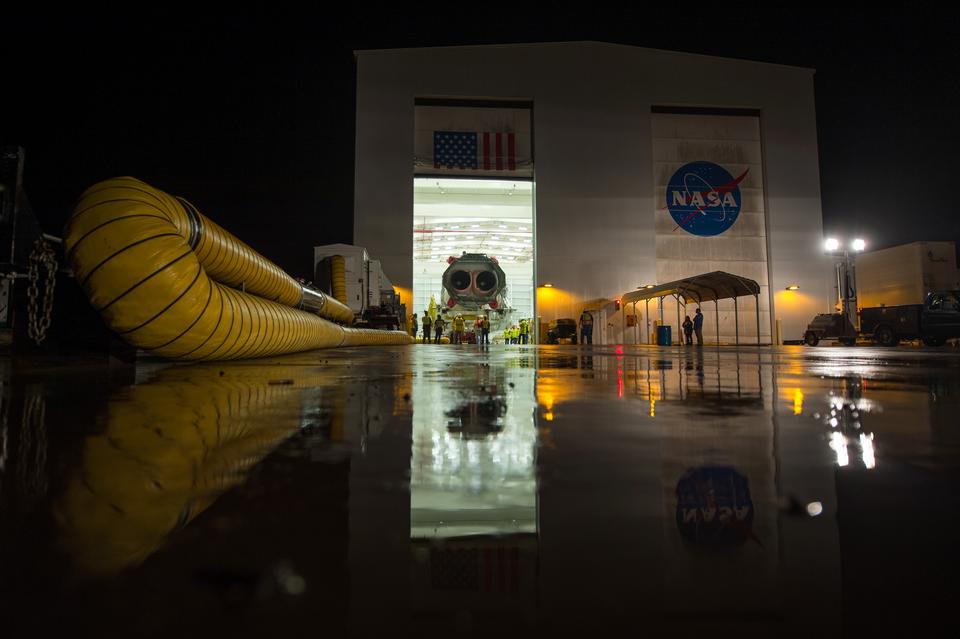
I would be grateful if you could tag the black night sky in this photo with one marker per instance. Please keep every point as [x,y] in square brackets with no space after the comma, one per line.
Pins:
[252,117]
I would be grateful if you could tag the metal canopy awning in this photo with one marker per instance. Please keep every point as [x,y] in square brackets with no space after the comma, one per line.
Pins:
[708,287]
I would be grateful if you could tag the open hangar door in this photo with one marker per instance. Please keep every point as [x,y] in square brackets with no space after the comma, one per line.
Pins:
[473,232]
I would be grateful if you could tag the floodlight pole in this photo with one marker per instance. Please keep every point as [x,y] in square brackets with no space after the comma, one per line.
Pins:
[847,286]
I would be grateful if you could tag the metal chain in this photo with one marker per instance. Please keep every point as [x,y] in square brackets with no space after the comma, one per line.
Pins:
[38,322]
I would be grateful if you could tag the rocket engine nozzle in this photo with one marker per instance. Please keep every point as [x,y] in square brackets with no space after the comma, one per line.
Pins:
[474,278]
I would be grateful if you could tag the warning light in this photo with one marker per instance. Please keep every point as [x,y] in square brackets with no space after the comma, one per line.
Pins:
[617,302]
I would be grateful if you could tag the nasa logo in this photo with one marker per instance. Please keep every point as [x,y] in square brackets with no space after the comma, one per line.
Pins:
[703,198]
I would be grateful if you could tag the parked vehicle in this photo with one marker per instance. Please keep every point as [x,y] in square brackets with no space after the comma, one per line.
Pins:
[562,329]
[933,322]
[830,326]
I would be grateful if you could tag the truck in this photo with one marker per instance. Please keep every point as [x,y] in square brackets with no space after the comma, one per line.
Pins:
[933,322]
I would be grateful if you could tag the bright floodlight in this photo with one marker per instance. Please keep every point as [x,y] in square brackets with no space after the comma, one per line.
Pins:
[859,245]
[832,244]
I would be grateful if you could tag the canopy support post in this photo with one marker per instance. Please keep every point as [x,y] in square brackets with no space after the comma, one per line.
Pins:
[756,299]
[736,321]
[716,310]
[679,329]
[647,315]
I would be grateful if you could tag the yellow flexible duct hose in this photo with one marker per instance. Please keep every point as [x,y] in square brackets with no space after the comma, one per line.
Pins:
[163,277]
[338,271]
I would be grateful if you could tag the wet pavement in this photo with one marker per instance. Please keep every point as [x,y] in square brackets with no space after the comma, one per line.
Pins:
[448,491]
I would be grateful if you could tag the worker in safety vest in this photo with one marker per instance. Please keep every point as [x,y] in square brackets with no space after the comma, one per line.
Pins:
[586,327]
[427,328]
[524,331]
[458,326]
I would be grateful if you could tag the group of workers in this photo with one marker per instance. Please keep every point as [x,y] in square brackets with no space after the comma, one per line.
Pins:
[433,330]
[517,333]
[585,324]
[520,333]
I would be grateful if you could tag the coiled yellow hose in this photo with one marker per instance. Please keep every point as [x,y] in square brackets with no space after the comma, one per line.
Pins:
[338,271]
[164,278]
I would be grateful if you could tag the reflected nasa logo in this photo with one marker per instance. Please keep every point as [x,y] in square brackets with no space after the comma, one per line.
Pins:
[714,507]
[704,198]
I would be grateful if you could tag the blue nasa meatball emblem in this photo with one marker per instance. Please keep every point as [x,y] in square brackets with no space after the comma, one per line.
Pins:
[703,198]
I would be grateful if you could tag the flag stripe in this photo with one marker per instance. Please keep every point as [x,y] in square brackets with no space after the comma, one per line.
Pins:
[486,151]
[499,151]
[511,152]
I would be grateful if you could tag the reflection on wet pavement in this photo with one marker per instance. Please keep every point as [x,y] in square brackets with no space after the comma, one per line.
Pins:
[544,490]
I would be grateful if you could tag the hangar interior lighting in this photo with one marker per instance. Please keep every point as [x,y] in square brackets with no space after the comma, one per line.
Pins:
[488,216]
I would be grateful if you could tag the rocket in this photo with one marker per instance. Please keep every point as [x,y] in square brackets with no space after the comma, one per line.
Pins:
[474,280]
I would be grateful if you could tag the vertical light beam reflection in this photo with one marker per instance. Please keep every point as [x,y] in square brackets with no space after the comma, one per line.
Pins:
[839,445]
[866,448]
[797,402]
[472,468]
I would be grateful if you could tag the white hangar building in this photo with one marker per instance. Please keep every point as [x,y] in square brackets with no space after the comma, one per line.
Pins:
[596,169]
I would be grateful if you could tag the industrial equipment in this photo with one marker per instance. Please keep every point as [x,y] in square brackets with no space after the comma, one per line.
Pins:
[169,280]
[349,274]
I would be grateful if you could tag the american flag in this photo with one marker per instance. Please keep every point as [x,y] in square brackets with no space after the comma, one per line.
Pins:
[472,150]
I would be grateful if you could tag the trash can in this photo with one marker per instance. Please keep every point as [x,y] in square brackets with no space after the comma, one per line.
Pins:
[663,336]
